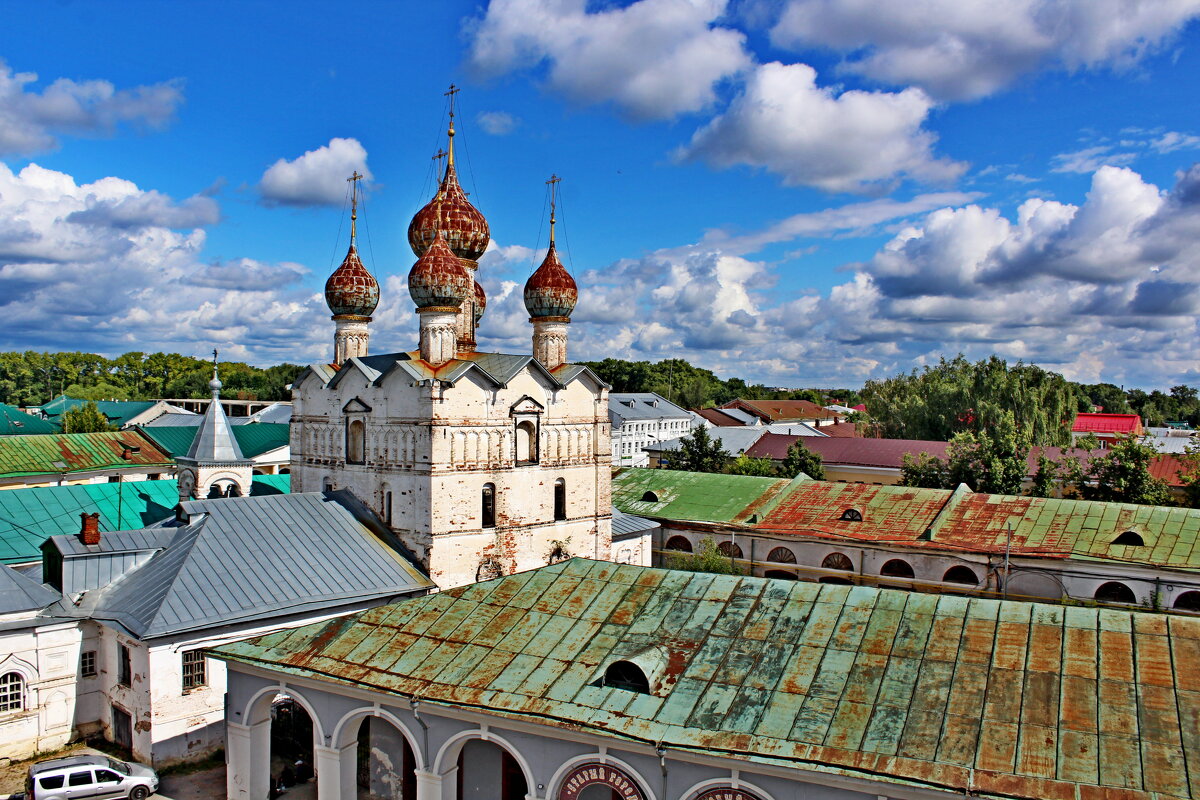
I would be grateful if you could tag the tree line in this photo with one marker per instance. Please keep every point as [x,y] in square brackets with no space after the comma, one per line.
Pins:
[33,378]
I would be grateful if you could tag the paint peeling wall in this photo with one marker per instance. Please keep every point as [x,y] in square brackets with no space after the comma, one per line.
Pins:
[45,656]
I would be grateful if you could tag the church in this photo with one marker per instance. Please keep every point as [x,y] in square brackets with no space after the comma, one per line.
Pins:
[482,464]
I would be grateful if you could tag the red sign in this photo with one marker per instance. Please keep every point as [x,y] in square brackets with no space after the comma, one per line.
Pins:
[586,775]
[726,794]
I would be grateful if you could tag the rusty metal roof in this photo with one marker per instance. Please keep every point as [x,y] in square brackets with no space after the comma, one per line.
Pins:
[987,697]
[80,452]
[699,496]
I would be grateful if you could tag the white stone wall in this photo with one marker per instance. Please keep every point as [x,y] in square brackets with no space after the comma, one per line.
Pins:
[46,657]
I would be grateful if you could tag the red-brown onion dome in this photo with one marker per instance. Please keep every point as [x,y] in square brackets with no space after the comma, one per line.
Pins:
[550,291]
[439,277]
[351,289]
[452,215]
[480,302]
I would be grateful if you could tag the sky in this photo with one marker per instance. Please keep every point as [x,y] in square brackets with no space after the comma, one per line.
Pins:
[796,192]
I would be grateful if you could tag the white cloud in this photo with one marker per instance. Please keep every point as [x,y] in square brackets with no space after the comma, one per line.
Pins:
[316,178]
[497,123]
[31,120]
[1090,159]
[1171,141]
[654,58]
[813,136]
[959,49]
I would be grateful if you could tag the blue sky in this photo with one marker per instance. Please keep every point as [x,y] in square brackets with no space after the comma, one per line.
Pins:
[801,192]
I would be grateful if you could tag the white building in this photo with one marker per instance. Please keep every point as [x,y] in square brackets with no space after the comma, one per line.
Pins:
[640,420]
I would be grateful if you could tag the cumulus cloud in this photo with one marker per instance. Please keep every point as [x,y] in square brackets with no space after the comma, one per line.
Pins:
[247,274]
[497,123]
[813,136]
[655,59]
[960,49]
[30,121]
[316,178]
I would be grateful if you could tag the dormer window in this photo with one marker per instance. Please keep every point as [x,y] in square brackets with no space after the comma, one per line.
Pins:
[1131,538]
[851,515]
[626,675]
[649,497]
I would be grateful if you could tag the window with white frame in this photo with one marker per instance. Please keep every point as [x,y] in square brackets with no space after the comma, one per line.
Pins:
[87,663]
[12,692]
[194,673]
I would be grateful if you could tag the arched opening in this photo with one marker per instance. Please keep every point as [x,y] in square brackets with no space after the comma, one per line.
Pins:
[291,743]
[962,575]
[782,555]
[837,561]
[1131,538]
[327,484]
[12,693]
[649,497]
[486,771]
[233,490]
[851,515]
[386,763]
[387,508]
[356,441]
[781,574]
[285,470]
[1115,592]
[626,675]
[679,543]
[897,568]
[488,510]
[729,550]
[560,499]
[1188,601]
[526,443]
[215,492]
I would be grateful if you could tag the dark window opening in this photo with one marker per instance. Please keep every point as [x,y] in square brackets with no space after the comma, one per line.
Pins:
[961,575]
[194,672]
[1130,538]
[87,663]
[851,515]
[387,508]
[489,505]
[781,574]
[679,543]
[729,550]
[626,675]
[897,568]
[356,440]
[1188,601]
[124,666]
[649,497]
[837,581]
[1113,592]
[560,499]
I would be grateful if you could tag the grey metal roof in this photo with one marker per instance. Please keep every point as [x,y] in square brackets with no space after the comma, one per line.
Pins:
[214,441]
[19,592]
[735,440]
[279,413]
[172,419]
[251,557]
[151,538]
[643,405]
[500,368]
[744,416]
[626,525]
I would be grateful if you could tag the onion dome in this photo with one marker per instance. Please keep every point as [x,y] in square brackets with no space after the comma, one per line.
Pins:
[352,290]
[550,290]
[480,302]
[439,278]
[450,214]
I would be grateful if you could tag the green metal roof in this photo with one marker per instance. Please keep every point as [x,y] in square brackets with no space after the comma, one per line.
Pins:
[978,696]
[29,516]
[118,412]
[254,439]
[66,453]
[697,496]
[15,422]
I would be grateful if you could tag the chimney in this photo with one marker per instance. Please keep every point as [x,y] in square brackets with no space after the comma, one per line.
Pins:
[89,534]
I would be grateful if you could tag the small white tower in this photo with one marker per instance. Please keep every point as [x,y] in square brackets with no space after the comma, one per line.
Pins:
[214,465]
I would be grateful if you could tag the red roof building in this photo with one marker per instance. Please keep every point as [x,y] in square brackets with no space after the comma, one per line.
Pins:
[1107,427]
[786,411]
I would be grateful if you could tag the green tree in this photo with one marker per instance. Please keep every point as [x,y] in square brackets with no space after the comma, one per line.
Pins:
[698,452]
[993,460]
[745,465]
[1122,475]
[1046,479]
[924,470]
[85,419]
[1189,475]
[707,558]
[800,459]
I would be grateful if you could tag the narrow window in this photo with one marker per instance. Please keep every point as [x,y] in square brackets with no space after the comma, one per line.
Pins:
[489,505]
[87,663]
[124,668]
[12,692]
[387,508]
[560,499]
[526,443]
[194,671]
[356,435]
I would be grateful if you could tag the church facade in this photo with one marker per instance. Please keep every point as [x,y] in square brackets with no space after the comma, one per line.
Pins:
[482,464]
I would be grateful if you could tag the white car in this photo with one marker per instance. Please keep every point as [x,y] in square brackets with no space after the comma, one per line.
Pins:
[89,777]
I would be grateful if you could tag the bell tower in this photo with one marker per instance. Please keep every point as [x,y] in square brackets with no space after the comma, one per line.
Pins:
[214,465]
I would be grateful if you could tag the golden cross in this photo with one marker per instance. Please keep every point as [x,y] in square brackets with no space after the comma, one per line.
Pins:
[353,181]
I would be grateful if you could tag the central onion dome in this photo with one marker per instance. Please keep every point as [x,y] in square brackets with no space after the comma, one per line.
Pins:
[352,290]
[550,290]
[439,277]
[480,302]
[450,214]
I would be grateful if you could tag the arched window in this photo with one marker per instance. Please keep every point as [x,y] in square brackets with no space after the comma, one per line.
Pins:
[1188,601]
[560,499]
[215,492]
[387,507]
[782,555]
[356,441]
[649,497]
[897,568]
[489,569]
[1114,592]
[837,561]
[526,443]
[489,506]
[730,550]
[851,515]
[327,484]
[626,675]
[12,692]
[961,575]
[1130,538]
[679,543]
[781,574]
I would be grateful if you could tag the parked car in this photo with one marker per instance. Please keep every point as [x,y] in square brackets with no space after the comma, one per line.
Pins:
[89,776]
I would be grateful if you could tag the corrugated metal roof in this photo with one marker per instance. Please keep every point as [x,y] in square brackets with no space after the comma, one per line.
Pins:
[21,593]
[14,422]
[254,439]
[670,494]
[253,556]
[777,410]
[1107,423]
[643,405]
[29,516]
[80,452]
[982,697]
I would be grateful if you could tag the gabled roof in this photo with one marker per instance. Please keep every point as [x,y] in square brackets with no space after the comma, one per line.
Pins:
[1107,423]
[253,440]
[722,418]
[969,696]
[118,412]
[709,497]
[857,452]
[187,419]
[627,525]
[79,452]
[643,405]
[19,592]
[496,368]
[214,441]
[247,558]
[14,422]
[735,441]
[781,410]
[29,516]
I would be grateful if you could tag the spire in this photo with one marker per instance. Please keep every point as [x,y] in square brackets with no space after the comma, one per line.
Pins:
[453,90]
[215,383]
[353,181]
[214,440]
[553,184]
